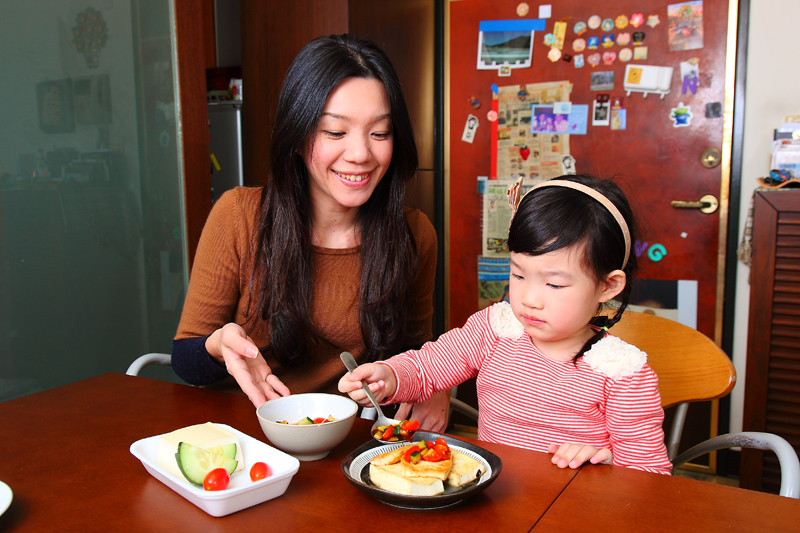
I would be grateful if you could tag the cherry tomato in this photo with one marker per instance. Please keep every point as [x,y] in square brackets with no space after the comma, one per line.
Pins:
[260,471]
[320,420]
[440,440]
[217,479]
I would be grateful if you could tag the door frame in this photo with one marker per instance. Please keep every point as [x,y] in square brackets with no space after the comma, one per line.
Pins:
[193,120]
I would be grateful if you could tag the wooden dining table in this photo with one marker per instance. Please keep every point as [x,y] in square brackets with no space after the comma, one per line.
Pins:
[65,453]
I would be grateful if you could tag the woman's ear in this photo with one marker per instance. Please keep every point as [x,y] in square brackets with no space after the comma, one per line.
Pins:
[613,284]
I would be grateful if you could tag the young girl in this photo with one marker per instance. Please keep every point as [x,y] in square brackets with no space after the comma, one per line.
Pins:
[548,378]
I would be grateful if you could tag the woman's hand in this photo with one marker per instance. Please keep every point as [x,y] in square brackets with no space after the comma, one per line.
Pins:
[380,379]
[573,455]
[231,345]
[432,414]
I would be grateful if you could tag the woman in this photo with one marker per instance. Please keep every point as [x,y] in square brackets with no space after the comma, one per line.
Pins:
[325,258]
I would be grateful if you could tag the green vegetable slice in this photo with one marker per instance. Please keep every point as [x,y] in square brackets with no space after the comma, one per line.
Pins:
[195,462]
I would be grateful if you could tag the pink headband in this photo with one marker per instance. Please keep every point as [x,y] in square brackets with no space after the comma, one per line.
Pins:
[514,198]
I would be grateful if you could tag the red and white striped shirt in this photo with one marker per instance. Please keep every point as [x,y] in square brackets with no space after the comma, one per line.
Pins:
[530,401]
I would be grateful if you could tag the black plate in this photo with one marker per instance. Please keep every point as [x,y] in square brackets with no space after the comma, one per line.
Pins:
[358,473]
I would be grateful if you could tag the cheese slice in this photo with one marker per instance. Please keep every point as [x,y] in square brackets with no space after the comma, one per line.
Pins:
[390,477]
[202,435]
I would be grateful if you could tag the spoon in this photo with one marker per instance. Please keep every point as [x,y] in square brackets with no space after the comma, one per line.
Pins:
[383,420]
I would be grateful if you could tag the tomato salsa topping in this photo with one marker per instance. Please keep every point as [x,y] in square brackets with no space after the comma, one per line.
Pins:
[396,432]
[428,451]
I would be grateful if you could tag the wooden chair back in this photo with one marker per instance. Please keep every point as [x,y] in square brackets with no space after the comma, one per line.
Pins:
[690,367]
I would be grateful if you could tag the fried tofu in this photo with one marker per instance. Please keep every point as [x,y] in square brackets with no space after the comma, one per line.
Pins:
[464,470]
[438,469]
[391,478]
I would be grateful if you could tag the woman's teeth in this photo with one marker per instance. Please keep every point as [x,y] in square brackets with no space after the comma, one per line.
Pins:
[353,177]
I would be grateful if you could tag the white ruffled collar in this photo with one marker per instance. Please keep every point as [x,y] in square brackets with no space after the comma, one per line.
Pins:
[615,358]
[504,322]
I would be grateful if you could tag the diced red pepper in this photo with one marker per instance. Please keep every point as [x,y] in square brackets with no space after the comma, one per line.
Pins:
[388,433]
[412,450]
[410,425]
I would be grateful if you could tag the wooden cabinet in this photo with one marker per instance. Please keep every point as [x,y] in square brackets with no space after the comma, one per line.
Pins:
[772,381]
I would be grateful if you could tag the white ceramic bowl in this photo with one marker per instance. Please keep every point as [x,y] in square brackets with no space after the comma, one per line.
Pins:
[309,442]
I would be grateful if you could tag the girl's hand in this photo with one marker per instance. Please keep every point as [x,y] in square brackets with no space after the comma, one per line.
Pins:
[432,414]
[573,455]
[380,379]
[231,345]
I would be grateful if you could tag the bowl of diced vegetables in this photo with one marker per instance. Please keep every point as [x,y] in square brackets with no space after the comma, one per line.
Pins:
[307,426]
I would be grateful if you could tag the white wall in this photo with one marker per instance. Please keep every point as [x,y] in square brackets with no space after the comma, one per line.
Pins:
[771,93]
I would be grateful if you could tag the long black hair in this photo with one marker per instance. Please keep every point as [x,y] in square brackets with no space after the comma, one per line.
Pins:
[551,218]
[284,257]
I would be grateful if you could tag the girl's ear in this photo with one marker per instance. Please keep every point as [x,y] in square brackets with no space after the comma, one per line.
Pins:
[613,285]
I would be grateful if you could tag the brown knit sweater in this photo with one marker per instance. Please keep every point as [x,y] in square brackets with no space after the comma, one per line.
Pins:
[219,292]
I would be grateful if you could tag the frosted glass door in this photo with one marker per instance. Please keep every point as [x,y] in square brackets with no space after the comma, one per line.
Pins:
[92,266]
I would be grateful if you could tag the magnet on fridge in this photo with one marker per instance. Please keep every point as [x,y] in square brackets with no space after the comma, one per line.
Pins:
[491,116]
[578,45]
[560,33]
[578,61]
[625,55]
[713,110]
[567,58]
[619,119]
[580,28]
[549,39]
[523,9]
[470,128]
[621,21]
[608,40]
[545,11]
[607,25]
[494,88]
[652,21]
[567,164]
[474,102]
[593,42]
[681,116]
[524,152]
[690,75]
[640,53]
[657,252]
[639,247]
[603,98]
[594,22]
[638,38]
[637,19]
[609,57]
[554,54]
[593,60]
[624,39]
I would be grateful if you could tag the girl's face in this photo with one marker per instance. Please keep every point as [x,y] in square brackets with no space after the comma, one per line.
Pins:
[349,153]
[554,299]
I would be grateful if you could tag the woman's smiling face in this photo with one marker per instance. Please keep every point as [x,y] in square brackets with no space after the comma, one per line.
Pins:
[352,147]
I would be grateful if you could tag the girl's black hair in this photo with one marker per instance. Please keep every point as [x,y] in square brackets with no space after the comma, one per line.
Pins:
[551,218]
[388,250]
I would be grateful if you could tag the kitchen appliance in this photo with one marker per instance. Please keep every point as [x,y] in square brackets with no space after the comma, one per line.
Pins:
[225,144]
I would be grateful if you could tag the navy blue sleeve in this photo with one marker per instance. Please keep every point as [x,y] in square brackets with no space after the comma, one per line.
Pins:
[193,364]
